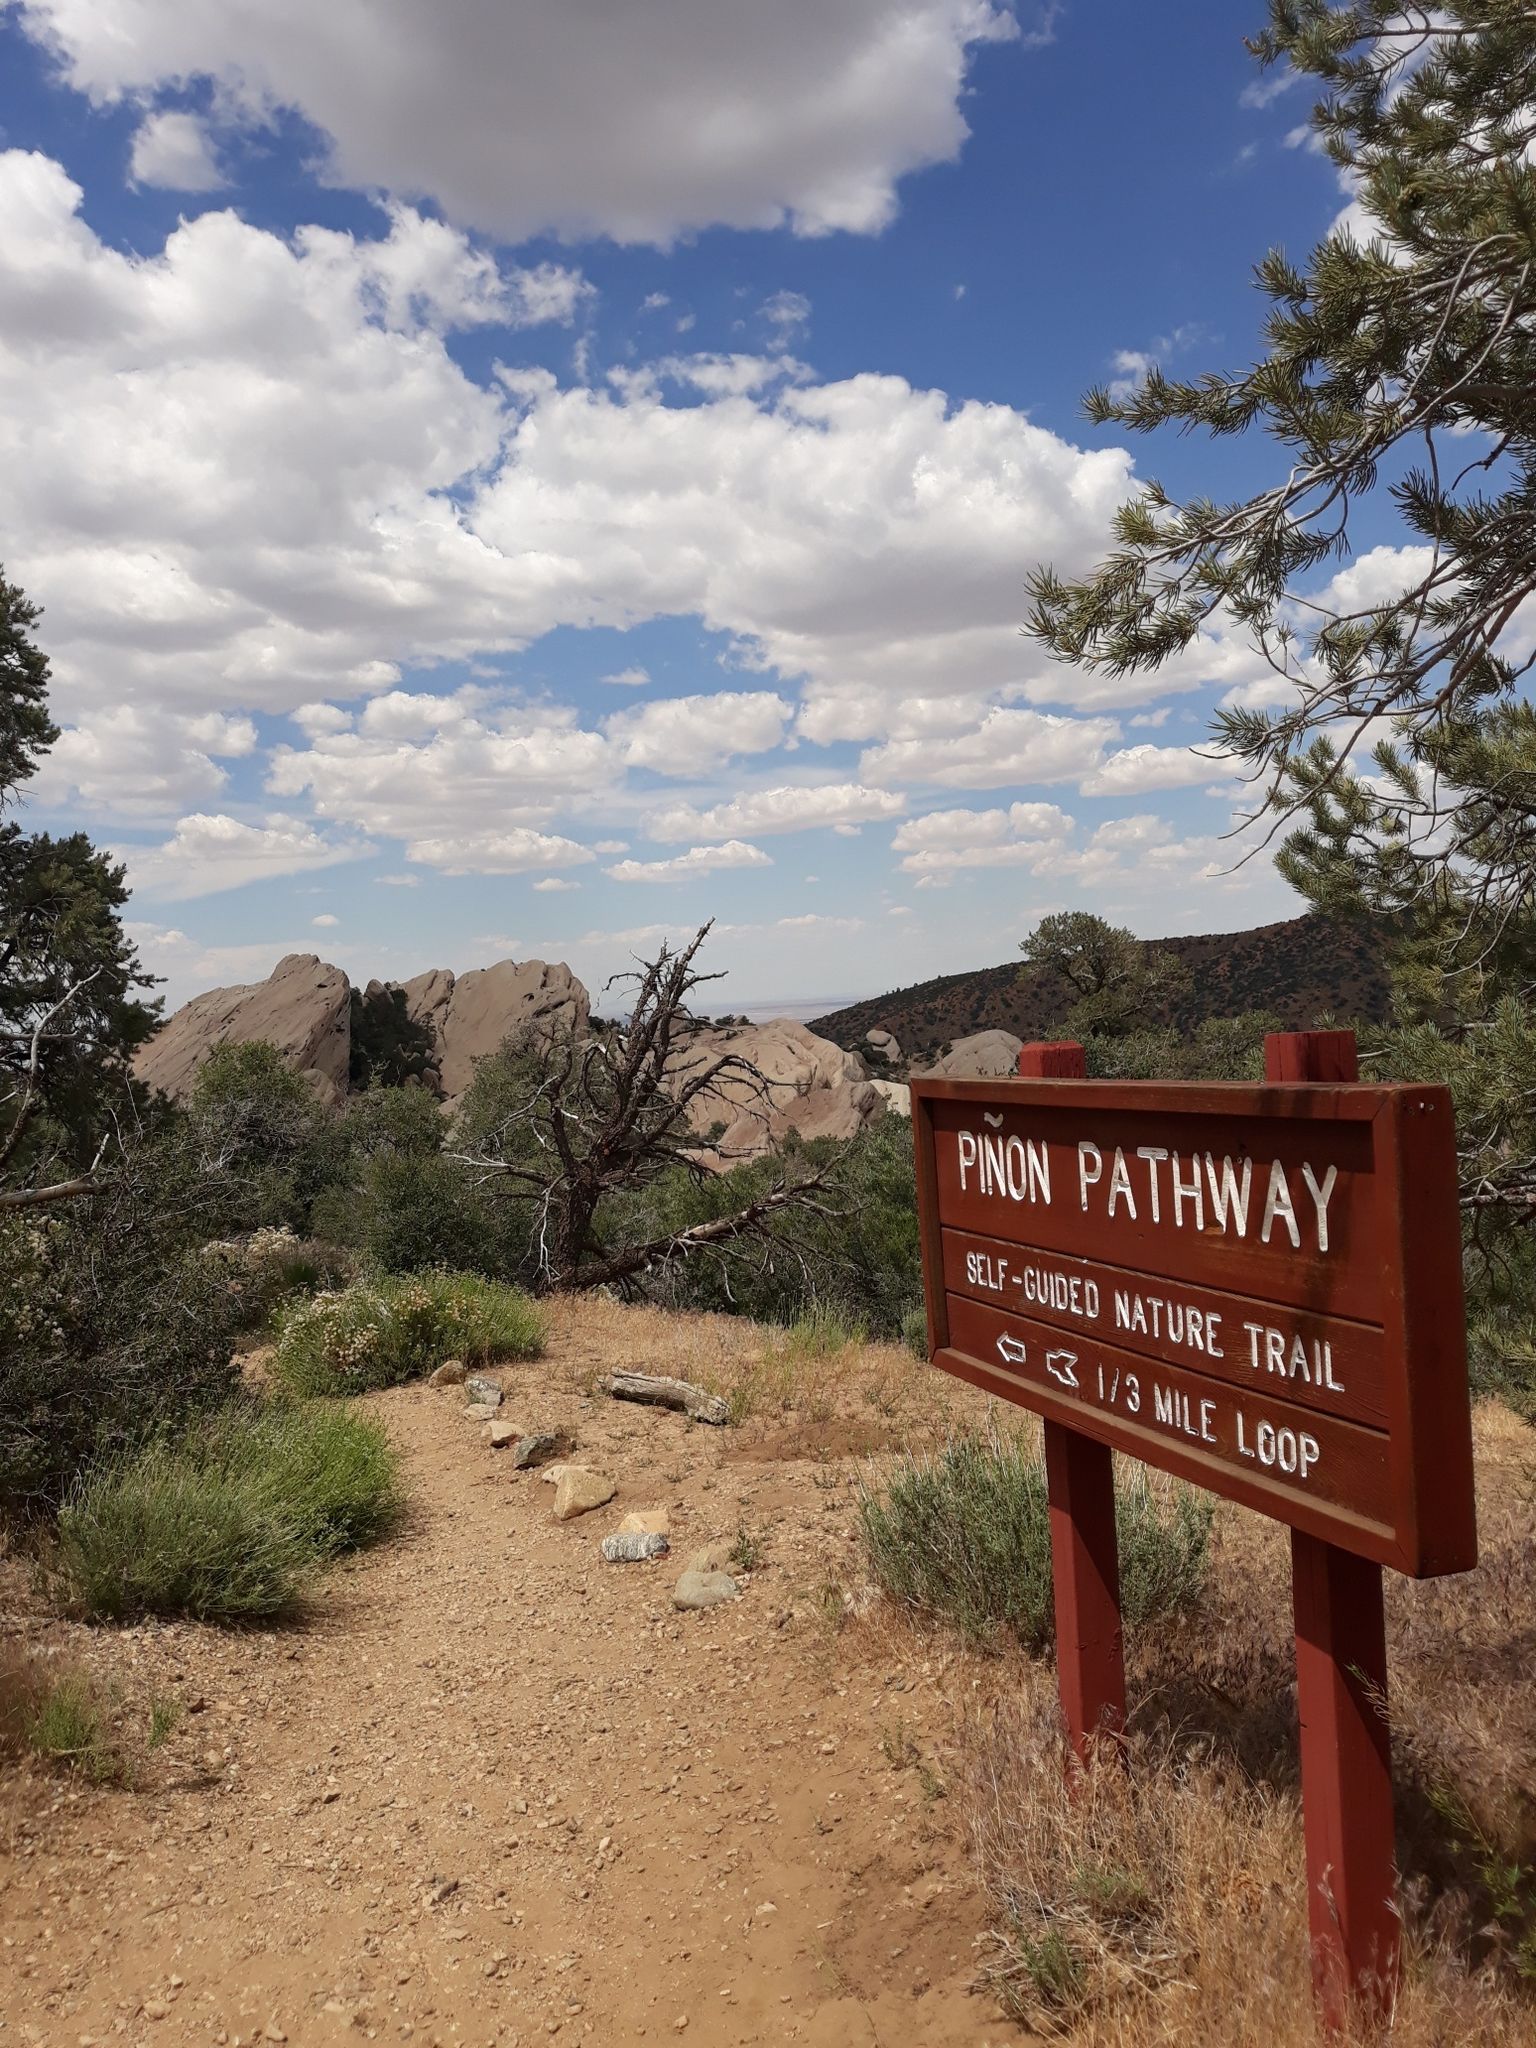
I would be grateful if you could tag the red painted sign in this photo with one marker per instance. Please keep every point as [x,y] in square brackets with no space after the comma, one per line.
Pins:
[1258,1289]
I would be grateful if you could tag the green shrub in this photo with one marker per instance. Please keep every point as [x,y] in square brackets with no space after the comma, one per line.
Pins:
[163,1533]
[231,1521]
[822,1334]
[406,1211]
[256,1123]
[860,1262]
[379,1333]
[64,1722]
[330,1471]
[964,1537]
[106,1335]
[271,1266]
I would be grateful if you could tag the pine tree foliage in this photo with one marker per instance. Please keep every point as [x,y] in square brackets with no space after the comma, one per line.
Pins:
[70,1014]
[1397,742]
[1404,363]
[1115,978]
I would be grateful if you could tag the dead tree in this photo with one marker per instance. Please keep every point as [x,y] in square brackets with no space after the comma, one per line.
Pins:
[613,1111]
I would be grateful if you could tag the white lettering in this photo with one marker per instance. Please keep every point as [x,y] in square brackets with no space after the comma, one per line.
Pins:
[1018,1172]
[1120,1184]
[1229,1195]
[1278,1203]
[1039,1170]
[1086,1179]
[967,1156]
[994,1173]
[1188,1191]
[1152,1154]
[1321,1197]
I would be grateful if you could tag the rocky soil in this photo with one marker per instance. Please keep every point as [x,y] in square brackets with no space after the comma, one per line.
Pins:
[497,1790]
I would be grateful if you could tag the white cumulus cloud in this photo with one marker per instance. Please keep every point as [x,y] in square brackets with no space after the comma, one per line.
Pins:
[698,860]
[1145,766]
[515,851]
[212,851]
[641,121]
[785,809]
[173,150]
[687,735]
[1008,746]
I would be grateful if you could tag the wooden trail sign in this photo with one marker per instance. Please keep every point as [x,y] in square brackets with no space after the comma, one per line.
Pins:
[1259,1290]
[1256,1288]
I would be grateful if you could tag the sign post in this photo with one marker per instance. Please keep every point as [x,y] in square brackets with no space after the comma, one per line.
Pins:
[1341,1703]
[1085,1563]
[1259,1290]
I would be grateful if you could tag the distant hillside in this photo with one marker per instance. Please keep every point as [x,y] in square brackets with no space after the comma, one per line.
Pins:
[1302,969]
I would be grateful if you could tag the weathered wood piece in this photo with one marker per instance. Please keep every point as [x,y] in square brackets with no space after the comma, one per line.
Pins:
[656,1390]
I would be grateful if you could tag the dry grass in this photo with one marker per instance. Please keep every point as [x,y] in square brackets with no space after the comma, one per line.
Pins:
[1163,1906]
[59,1714]
[1167,1904]
[817,1372]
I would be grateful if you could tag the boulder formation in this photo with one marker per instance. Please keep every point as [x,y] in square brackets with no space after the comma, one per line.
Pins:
[812,1087]
[982,1056]
[896,1096]
[303,1008]
[809,1085]
[469,1015]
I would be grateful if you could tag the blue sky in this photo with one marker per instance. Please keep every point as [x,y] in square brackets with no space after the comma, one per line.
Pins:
[521,479]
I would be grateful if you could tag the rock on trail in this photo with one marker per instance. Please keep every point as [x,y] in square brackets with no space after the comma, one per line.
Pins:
[696,1590]
[578,1492]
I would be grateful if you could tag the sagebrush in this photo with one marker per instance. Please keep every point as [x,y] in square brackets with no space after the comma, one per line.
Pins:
[963,1537]
[385,1331]
[233,1520]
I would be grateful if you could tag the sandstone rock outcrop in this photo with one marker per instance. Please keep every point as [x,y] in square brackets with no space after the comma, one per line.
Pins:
[813,1087]
[980,1057]
[896,1096]
[469,1015]
[303,1008]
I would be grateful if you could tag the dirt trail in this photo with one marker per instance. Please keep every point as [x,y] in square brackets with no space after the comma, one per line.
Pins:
[498,1791]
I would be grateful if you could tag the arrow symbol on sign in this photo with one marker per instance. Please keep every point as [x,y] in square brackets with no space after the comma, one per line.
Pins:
[1059,1365]
[1012,1351]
